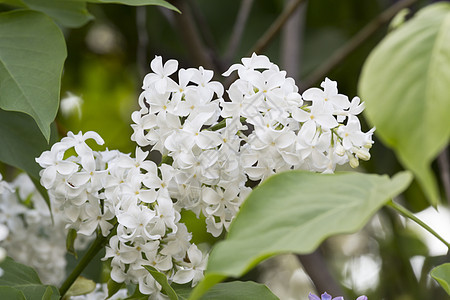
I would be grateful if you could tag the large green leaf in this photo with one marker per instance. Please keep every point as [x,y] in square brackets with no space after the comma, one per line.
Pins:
[405,85]
[294,212]
[69,13]
[21,142]
[26,280]
[242,290]
[139,3]
[32,54]
[442,275]
[10,293]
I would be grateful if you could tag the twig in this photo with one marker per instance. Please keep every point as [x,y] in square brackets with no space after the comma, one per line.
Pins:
[189,33]
[238,29]
[315,266]
[142,46]
[444,170]
[267,37]
[343,52]
[95,247]
[292,40]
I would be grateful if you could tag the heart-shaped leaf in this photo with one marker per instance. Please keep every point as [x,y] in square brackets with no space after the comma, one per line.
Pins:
[293,212]
[404,84]
[32,54]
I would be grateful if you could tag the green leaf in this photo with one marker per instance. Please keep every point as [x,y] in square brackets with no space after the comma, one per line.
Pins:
[139,3]
[11,293]
[113,287]
[81,286]
[21,142]
[26,280]
[162,280]
[442,275]
[293,212]
[242,290]
[69,13]
[31,62]
[17,3]
[48,294]
[70,242]
[404,84]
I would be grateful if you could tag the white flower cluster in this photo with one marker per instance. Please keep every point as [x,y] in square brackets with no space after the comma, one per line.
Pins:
[211,148]
[94,189]
[33,239]
[264,127]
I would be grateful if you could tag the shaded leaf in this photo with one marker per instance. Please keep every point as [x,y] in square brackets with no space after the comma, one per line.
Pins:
[404,84]
[293,212]
[69,13]
[139,3]
[70,241]
[26,280]
[162,280]
[113,287]
[48,293]
[10,293]
[21,142]
[31,62]
[442,275]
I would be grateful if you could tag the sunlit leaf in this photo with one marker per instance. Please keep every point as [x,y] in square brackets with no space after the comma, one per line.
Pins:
[242,290]
[32,54]
[81,286]
[293,212]
[442,275]
[404,84]
[26,280]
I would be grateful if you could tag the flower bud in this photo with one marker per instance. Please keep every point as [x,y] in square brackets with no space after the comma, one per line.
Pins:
[339,150]
[354,162]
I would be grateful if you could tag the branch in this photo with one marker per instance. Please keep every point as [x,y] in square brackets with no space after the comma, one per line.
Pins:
[268,36]
[142,46]
[292,41]
[192,39]
[347,49]
[315,266]
[238,29]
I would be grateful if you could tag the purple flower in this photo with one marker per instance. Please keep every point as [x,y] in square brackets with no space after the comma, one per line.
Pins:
[325,296]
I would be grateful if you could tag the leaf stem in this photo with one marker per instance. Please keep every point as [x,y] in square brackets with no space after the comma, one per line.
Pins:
[406,213]
[95,247]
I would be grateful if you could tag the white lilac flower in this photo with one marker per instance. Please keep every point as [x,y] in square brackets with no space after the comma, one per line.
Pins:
[211,147]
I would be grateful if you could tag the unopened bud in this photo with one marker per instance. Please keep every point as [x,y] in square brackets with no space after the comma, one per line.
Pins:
[368,145]
[339,150]
[354,162]
[362,153]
